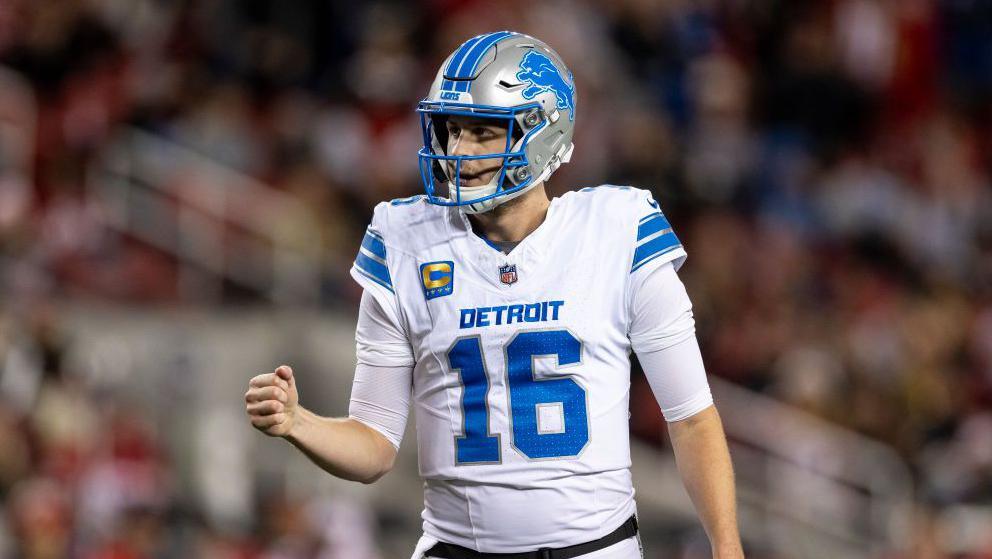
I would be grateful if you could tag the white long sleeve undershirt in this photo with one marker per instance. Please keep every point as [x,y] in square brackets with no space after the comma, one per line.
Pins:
[663,335]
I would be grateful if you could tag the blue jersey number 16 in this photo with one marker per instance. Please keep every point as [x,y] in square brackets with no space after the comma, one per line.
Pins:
[527,395]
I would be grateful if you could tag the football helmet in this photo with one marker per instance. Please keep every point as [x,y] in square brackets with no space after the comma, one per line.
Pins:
[516,80]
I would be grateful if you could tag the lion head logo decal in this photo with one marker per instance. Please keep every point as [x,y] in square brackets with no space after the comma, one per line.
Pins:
[540,75]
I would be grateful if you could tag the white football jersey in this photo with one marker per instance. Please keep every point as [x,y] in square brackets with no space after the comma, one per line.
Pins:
[522,375]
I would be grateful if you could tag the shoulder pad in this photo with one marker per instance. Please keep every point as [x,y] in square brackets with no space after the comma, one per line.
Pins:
[612,202]
[624,206]
[408,225]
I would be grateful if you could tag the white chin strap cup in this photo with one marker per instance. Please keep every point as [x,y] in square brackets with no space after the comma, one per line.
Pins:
[486,205]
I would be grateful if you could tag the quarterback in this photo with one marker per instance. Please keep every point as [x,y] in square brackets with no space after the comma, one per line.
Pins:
[506,321]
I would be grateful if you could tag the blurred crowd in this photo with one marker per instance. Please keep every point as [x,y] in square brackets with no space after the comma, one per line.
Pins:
[826,164]
[85,472]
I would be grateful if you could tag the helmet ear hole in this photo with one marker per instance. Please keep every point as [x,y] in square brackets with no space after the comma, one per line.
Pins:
[438,171]
[439,123]
[517,135]
[439,126]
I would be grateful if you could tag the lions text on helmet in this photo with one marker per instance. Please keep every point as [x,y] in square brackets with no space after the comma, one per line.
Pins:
[513,94]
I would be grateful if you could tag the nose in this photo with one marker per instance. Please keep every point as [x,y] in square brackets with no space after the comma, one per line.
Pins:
[465,146]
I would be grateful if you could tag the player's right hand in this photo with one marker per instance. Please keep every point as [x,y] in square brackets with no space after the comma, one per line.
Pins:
[272,402]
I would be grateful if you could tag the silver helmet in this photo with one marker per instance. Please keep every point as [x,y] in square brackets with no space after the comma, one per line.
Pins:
[517,80]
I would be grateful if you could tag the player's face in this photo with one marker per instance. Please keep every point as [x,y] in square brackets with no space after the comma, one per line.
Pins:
[475,136]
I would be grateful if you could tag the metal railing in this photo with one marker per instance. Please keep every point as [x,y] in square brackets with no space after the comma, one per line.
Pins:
[220,225]
[845,488]
[18,123]
[18,139]
[806,487]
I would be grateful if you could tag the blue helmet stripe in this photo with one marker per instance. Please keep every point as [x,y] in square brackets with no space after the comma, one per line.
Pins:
[471,61]
[479,46]
[456,61]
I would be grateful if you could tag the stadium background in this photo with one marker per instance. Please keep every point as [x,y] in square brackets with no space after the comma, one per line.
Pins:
[183,185]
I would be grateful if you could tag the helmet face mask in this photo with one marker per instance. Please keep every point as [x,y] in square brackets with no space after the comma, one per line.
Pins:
[495,78]
[437,167]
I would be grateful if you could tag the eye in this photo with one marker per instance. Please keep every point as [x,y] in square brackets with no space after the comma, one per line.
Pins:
[482,132]
[454,130]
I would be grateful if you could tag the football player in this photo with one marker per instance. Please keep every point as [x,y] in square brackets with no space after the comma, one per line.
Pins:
[507,320]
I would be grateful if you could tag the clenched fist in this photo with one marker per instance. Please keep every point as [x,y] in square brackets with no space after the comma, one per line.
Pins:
[271,402]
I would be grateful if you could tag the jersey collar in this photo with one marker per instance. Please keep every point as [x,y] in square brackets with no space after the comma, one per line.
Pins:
[529,255]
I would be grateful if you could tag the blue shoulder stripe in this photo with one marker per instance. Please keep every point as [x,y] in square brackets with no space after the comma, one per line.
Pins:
[651,225]
[375,279]
[373,269]
[647,217]
[653,256]
[373,244]
[654,248]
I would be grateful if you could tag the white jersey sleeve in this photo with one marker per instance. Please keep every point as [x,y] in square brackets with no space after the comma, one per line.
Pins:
[663,335]
[379,340]
[374,265]
[380,393]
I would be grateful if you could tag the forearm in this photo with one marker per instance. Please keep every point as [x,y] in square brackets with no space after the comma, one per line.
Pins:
[704,463]
[343,447]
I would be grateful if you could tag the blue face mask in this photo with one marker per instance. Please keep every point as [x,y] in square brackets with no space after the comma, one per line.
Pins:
[437,167]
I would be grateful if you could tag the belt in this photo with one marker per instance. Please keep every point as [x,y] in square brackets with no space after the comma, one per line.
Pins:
[452,551]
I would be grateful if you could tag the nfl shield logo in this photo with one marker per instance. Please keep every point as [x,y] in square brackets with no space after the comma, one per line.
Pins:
[508,274]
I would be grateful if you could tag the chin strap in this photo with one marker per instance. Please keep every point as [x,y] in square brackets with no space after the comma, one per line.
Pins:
[486,205]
